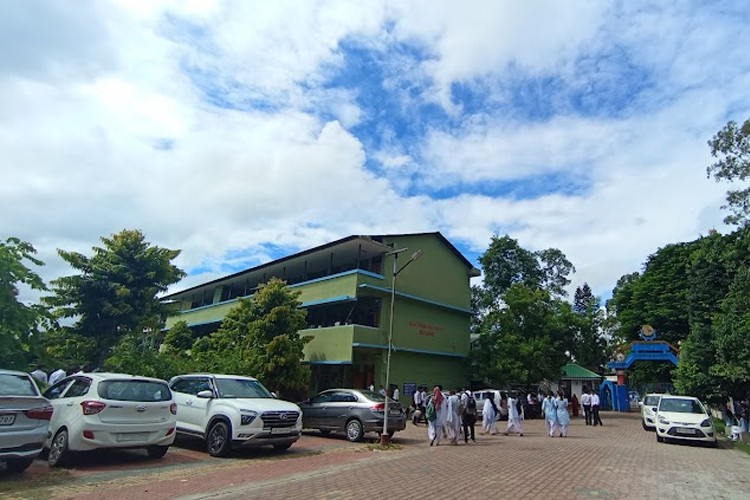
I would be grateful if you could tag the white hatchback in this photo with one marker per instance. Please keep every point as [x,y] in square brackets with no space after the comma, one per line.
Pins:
[684,418]
[649,406]
[110,410]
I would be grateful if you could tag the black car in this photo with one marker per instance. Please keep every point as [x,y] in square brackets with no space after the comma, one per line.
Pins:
[354,412]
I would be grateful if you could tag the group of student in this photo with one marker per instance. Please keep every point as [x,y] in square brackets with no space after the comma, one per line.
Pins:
[57,375]
[455,415]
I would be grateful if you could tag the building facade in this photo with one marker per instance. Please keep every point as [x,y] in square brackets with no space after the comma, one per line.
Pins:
[345,286]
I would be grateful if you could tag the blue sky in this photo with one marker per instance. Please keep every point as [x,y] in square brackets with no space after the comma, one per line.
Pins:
[241,132]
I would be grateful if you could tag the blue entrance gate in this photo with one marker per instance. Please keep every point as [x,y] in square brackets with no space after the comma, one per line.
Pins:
[649,349]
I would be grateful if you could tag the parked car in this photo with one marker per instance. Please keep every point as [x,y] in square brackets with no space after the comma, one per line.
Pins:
[684,418]
[648,410]
[229,411]
[352,411]
[501,400]
[24,420]
[109,410]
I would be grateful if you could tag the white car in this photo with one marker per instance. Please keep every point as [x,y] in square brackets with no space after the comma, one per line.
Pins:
[649,406]
[500,397]
[24,420]
[110,410]
[684,418]
[229,411]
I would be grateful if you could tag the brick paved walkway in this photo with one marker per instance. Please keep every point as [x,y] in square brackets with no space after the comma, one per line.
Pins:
[619,460]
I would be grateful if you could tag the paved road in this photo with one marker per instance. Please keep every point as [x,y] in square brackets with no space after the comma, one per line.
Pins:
[619,460]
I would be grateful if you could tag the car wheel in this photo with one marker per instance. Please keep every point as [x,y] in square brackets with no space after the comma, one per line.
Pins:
[218,440]
[714,444]
[156,451]
[58,451]
[659,438]
[354,430]
[643,424]
[18,465]
[282,447]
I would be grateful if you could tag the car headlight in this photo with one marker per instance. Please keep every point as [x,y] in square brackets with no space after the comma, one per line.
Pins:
[663,421]
[247,416]
[706,423]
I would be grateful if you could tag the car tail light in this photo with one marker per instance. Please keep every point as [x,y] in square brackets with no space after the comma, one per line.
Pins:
[41,413]
[88,434]
[173,408]
[378,407]
[92,407]
[170,431]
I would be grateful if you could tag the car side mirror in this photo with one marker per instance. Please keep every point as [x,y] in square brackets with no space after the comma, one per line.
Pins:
[640,404]
[205,394]
[276,396]
[654,409]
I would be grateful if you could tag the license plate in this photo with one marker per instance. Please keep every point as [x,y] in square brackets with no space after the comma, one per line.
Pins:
[681,430]
[394,413]
[282,430]
[132,436]
[7,419]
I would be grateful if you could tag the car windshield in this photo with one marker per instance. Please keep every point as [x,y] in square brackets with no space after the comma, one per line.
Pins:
[241,388]
[16,385]
[680,405]
[651,400]
[134,390]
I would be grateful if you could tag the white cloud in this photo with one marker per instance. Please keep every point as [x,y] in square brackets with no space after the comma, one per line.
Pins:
[108,121]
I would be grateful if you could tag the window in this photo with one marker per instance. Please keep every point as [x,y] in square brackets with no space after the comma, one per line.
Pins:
[17,385]
[240,388]
[57,389]
[182,385]
[79,387]
[343,397]
[134,390]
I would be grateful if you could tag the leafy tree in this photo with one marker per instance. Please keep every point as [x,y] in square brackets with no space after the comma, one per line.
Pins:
[20,324]
[589,347]
[260,338]
[115,292]
[179,337]
[731,145]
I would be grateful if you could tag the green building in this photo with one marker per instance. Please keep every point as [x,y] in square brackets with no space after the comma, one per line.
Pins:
[346,288]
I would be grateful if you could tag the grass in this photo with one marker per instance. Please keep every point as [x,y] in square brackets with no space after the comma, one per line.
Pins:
[28,486]
[721,429]
[388,447]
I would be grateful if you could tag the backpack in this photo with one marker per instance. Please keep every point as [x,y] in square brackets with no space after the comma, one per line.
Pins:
[471,405]
[430,413]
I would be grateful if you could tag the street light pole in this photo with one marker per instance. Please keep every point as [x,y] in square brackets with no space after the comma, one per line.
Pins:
[384,437]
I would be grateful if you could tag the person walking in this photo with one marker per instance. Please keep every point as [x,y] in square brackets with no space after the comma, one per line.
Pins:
[395,394]
[468,414]
[515,415]
[574,404]
[550,414]
[595,418]
[435,416]
[563,417]
[586,403]
[453,419]
[489,416]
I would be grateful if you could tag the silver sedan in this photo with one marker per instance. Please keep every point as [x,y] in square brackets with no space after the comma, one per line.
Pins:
[354,412]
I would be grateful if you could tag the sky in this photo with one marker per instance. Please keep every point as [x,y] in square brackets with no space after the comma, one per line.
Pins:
[240,132]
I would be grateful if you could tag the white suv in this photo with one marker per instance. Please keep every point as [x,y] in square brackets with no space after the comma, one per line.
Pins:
[233,411]
[648,410]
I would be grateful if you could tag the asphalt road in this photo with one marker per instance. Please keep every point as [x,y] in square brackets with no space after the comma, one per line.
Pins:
[618,460]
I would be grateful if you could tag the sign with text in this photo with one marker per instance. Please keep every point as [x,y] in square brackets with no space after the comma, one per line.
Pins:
[425,329]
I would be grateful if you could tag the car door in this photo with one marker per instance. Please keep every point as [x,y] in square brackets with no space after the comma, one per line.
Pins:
[65,397]
[191,410]
[312,411]
[338,409]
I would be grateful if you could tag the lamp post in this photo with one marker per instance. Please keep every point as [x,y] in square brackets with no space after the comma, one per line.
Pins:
[384,437]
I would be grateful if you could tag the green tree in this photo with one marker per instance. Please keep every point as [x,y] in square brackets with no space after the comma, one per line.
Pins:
[20,324]
[115,292]
[589,347]
[731,145]
[260,338]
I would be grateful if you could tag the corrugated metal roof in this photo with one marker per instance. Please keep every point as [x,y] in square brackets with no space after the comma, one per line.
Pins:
[573,370]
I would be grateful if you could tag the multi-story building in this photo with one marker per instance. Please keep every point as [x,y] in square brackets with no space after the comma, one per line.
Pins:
[346,288]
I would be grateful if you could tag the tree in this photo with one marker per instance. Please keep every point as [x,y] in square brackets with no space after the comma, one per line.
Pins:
[589,348]
[731,145]
[20,324]
[260,338]
[115,292]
